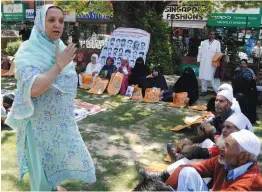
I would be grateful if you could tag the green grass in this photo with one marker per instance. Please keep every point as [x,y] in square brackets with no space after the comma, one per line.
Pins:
[126,137]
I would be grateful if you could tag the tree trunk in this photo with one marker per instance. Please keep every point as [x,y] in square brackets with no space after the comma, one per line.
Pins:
[123,16]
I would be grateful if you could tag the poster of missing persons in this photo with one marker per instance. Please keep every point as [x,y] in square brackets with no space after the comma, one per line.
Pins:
[129,42]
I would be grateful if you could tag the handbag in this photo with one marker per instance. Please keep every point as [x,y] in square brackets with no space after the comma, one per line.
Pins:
[115,83]
[152,95]
[87,81]
[137,93]
[99,86]
[216,59]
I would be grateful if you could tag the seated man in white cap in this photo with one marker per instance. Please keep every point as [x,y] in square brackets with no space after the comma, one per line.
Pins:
[235,169]
[234,123]
[235,105]
[223,109]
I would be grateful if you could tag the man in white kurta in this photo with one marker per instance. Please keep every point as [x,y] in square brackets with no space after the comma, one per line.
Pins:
[207,51]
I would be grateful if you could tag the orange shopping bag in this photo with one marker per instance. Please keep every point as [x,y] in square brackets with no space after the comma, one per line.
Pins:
[115,83]
[137,93]
[216,59]
[99,86]
[87,81]
[152,95]
[179,100]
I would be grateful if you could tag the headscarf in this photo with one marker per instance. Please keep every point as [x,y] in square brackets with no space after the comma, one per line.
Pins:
[111,58]
[156,69]
[93,67]
[124,58]
[187,83]
[96,56]
[39,51]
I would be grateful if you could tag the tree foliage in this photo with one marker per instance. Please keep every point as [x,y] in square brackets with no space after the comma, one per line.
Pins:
[7,1]
[85,6]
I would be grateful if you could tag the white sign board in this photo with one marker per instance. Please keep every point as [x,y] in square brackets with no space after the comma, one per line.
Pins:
[129,42]
[12,8]
[69,16]
[175,12]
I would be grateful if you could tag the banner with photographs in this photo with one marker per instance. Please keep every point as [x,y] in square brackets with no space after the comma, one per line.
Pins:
[129,42]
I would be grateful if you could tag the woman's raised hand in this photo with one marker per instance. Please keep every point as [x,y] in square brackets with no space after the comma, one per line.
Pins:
[65,57]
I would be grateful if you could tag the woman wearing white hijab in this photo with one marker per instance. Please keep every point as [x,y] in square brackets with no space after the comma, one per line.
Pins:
[93,68]
[49,144]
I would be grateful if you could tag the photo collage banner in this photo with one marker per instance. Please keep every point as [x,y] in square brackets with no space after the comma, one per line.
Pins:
[129,42]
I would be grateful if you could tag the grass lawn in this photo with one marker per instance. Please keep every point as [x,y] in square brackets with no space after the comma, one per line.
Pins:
[126,137]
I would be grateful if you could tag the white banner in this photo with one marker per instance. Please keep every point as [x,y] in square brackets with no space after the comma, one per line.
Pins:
[12,8]
[70,16]
[129,42]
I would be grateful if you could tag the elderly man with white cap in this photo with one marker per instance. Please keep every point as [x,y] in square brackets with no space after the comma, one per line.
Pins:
[235,169]
[234,123]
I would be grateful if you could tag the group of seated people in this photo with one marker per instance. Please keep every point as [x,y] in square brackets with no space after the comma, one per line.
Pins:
[140,75]
[227,142]
[246,85]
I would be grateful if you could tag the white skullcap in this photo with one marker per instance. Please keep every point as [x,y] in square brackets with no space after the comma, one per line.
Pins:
[239,120]
[227,94]
[225,86]
[248,141]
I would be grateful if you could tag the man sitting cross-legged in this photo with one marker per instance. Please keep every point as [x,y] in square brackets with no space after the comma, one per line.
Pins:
[235,168]
[211,127]
[234,123]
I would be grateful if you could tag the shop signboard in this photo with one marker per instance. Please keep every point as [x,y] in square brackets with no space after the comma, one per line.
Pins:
[234,20]
[92,16]
[13,12]
[29,13]
[175,12]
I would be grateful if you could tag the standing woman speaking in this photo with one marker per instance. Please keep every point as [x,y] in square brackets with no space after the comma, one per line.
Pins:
[49,144]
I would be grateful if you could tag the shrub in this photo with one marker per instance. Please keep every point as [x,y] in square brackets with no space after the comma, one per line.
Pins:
[12,47]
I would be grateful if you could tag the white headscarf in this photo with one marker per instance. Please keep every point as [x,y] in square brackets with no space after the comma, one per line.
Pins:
[93,67]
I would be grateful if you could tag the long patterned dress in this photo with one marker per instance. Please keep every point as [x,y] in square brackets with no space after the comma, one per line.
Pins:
[63,154]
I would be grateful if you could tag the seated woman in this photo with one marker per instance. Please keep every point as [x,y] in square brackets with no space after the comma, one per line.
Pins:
[108,69]
[80,66]
[93,68]
[155,79]
[245,91]
[244,71]
[126,70]
[186,83]
[139,73]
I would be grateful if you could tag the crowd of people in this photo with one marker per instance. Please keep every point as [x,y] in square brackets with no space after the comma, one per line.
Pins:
[52,150]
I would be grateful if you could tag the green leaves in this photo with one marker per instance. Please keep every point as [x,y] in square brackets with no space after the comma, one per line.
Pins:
[85,6]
